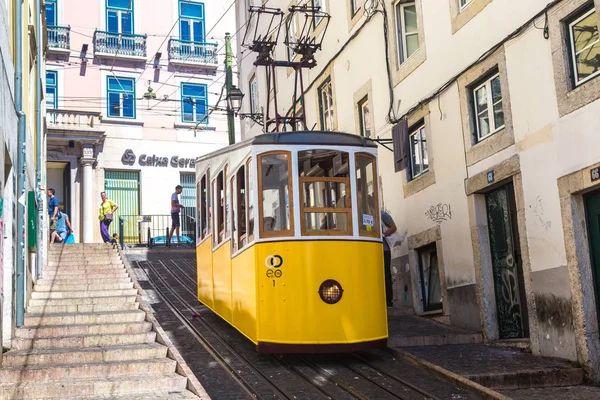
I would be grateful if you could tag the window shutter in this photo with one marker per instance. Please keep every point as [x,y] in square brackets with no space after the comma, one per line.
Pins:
[400,142]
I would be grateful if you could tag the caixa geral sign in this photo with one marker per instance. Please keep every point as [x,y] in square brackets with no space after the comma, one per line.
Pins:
[129,158]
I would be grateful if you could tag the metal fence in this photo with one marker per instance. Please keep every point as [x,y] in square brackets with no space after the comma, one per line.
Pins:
[153,230]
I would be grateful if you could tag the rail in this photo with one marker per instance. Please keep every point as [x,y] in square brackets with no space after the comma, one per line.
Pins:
[72,119]
[193,52]
[153,230]
[59,37]
[120,44]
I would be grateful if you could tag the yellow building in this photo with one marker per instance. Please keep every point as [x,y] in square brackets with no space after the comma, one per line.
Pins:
[22,44]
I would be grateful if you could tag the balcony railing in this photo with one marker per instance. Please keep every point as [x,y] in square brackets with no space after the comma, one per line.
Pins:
[72,119]
[119,44]
[59,37]
[185,51]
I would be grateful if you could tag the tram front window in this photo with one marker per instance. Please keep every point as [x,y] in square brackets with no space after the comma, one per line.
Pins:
[325,187]
[275,195]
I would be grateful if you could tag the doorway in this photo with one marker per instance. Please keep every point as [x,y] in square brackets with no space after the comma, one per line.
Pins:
[592,211]
[507,271]
[59,179]
[123,187]
[188,200]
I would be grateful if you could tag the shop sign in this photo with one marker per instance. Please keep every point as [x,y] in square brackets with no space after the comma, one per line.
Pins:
[129,158]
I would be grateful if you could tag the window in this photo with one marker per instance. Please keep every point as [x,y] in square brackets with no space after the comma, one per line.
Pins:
[585,46]
[221,207]
[253,86]
[250,200]
[275,196]
[322,6]
[367,198]
[463,3]
[191,22]
[431,292]
[51,13]
[119,16]
[240,223]
[355,6]
[194,102]
[121,97]
[418,152]
[204,218]
[488,112]
[365,117]
[325,206]
[51,89]
[292,36]
[326,105]
[407,30]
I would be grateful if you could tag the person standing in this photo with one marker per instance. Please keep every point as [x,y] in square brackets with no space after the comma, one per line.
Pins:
[175,211]
[107,209]
[388,228]
[63,228]
[52,208]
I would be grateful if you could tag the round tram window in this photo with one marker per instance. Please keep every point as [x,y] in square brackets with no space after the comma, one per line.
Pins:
[330,291]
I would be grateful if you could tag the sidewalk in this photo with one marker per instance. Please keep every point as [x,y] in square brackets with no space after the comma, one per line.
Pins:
[510,372]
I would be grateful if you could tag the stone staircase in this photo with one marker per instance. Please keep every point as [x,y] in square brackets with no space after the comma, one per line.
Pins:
[85,337]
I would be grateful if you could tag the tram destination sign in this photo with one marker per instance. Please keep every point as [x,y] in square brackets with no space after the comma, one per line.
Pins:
[144,160]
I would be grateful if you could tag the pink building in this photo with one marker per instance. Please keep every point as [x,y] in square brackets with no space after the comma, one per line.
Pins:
[106,130]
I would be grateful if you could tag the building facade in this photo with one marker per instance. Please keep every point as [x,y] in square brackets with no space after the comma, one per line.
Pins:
[493,111]
[21,138]
[130,89]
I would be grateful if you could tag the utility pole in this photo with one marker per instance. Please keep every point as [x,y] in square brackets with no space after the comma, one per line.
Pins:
[228,85]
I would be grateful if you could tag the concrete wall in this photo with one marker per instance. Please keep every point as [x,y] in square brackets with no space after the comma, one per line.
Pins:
[551,132]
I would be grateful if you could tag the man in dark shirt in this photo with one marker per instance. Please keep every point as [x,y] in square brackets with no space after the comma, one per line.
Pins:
[52,207]
[388,228]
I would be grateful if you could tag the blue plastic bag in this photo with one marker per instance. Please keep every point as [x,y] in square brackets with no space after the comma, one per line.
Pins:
[70,239]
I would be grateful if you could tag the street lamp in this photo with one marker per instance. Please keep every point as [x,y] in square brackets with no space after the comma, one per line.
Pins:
[234,104]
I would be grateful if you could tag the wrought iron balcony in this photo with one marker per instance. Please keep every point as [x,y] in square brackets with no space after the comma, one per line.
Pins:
[185,51]
[119,44]
[59,37]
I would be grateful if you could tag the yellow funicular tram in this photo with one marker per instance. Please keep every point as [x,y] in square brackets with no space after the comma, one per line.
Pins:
[289,248]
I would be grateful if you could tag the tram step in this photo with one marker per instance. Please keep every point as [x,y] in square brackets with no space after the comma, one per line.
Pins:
[84,341]
[83,308]
[90,273]
[59,287]
[85,318]
[82,300]
[85,388]
[51,331]
[45,373]
[84,279]
[89,293]
[83,355]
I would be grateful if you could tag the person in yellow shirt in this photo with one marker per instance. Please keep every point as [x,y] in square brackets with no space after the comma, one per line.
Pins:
[107,209]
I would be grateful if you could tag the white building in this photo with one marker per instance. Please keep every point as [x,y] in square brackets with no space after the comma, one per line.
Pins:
[105,134]
[499,204]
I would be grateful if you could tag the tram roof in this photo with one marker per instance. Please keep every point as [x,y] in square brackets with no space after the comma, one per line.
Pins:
[315,138]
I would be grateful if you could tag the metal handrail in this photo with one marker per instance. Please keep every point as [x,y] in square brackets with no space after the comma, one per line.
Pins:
[59,37]
[148,230]
[124,44]
[194,52]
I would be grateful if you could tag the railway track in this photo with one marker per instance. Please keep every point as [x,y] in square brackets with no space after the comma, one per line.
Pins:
[362,376]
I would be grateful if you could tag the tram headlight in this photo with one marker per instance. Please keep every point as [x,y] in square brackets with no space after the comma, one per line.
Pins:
[331,291]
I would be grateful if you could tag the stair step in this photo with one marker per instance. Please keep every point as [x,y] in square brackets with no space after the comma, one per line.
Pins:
[71,273]
[83,300]
[82,308]
[50,331]
[81,280]
[60,287]
[109,386]
[81,266]
[185,395]
[84,341]
[83,355]
[85,318]
[89,293]
[84,261]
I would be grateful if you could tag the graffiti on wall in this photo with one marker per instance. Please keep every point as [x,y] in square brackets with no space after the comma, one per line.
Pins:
[439,213]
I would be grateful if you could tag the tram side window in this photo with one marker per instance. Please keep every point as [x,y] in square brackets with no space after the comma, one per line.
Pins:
[204,209]
[220,206]
[250,201]
[367,200]
[275,195]
[240,206]
[325,192]
[233,204]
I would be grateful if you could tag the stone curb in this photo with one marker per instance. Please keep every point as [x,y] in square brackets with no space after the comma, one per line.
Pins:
[485,391]
[194,384]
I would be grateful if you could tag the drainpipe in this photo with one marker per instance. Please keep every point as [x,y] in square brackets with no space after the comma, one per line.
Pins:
[20,293]
[39,143]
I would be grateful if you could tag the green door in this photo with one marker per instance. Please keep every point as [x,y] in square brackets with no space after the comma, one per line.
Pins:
[188,199]
[506,263]
[123,187]
[592,210]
